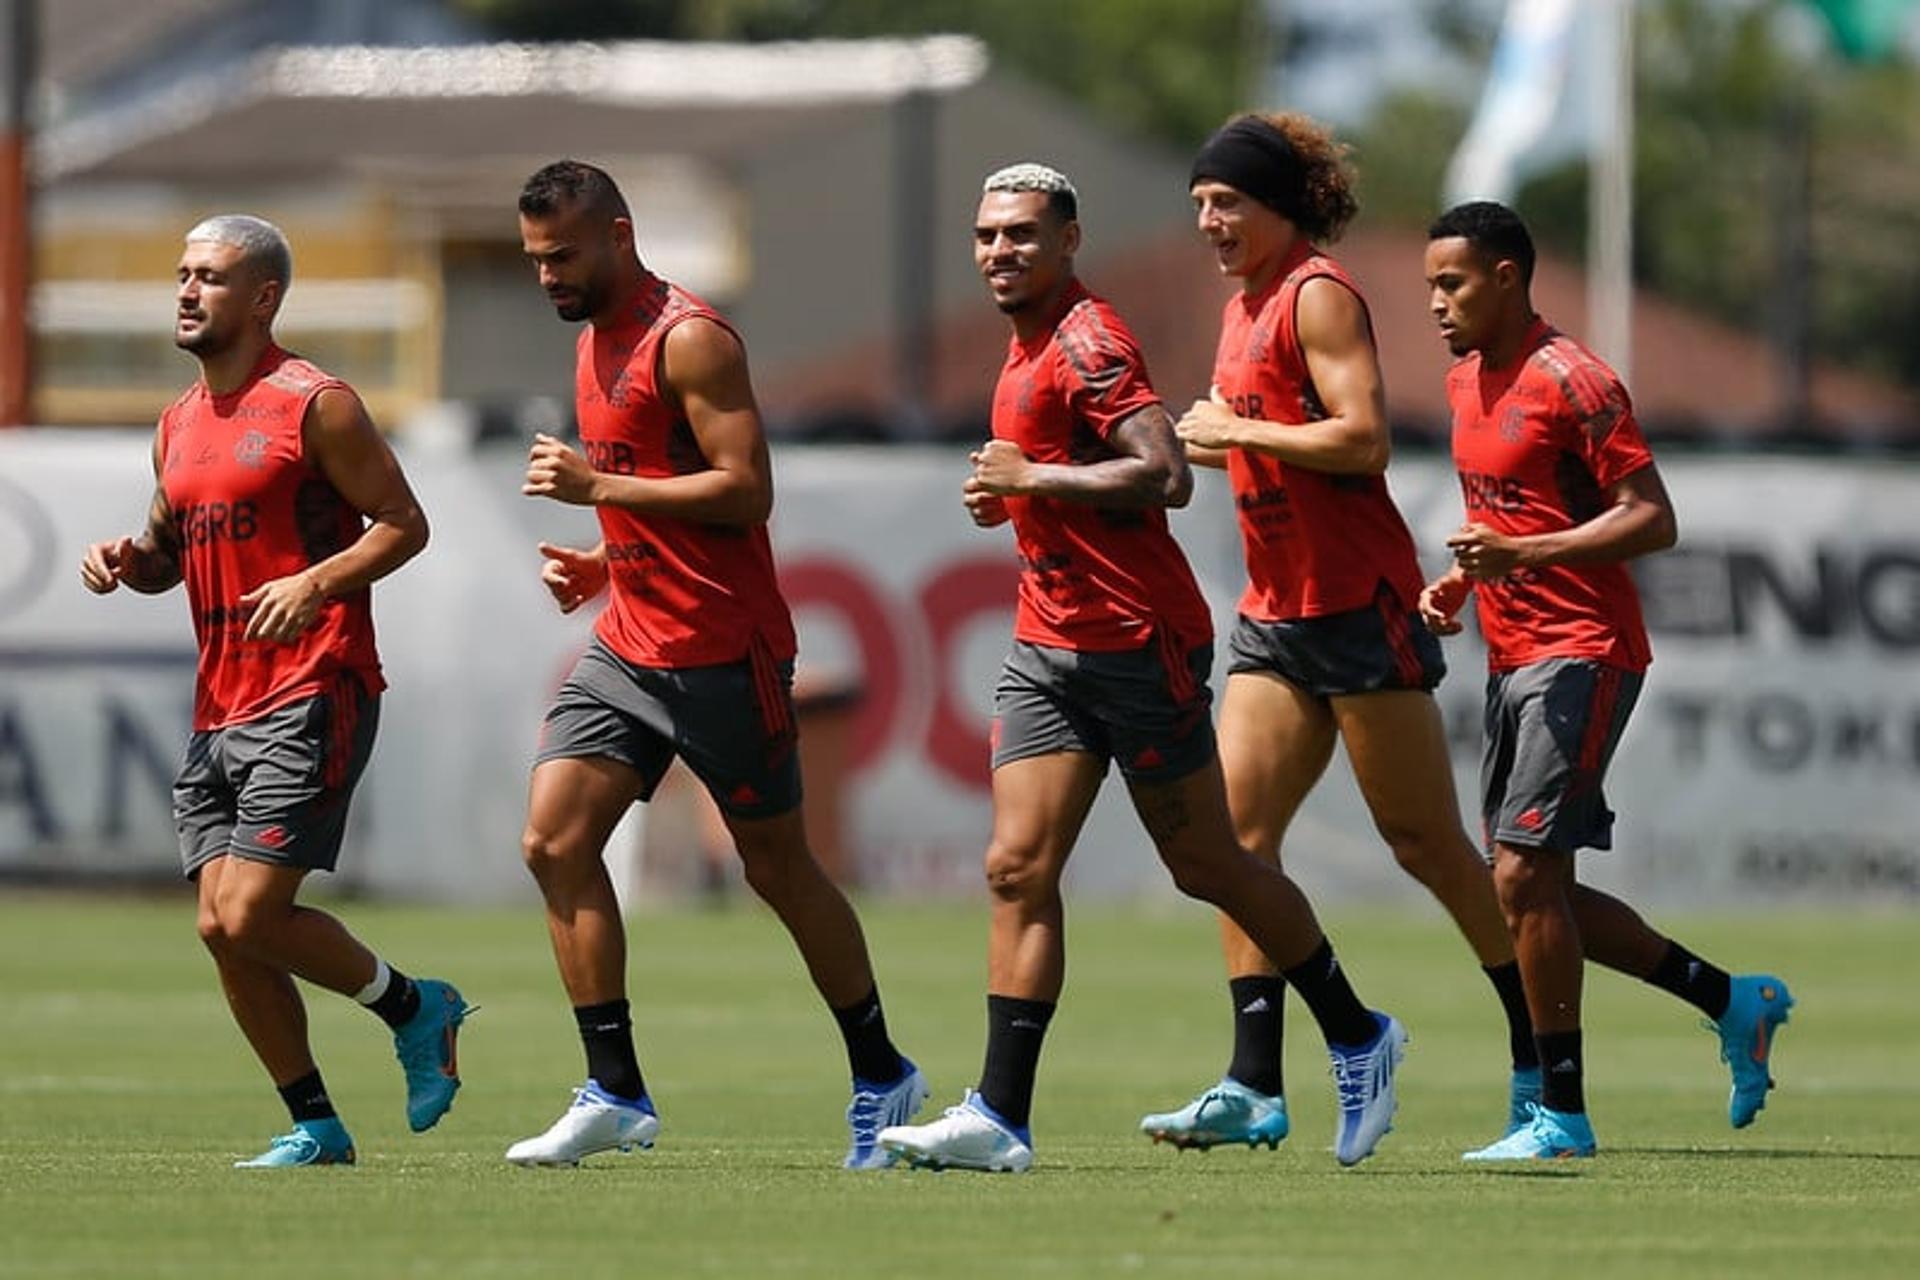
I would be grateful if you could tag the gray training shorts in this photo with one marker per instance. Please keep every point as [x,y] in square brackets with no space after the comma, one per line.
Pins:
[1134,707]
[732,723]
[1552,728]
[275,789]
[1375,648]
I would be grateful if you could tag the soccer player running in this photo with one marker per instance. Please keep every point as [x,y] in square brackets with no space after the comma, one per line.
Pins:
[693,656]
[1329,644]
[278,504]
[1560,492]
[1112,645]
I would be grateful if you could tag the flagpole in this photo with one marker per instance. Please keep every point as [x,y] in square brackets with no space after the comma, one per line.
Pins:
[1610,189]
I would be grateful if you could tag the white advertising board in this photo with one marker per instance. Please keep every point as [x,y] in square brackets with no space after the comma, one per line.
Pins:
[1775,754]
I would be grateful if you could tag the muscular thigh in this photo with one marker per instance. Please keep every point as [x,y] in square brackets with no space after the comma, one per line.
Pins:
[1039,806]
[1397,745]
[1275,741]
[575,801]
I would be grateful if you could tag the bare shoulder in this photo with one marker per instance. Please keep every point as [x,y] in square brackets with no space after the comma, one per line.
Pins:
[1329,305]
[701,349]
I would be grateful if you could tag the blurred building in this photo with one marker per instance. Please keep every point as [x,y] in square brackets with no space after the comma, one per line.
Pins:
[822,193]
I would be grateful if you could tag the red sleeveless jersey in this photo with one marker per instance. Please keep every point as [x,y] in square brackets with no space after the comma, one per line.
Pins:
[1092,579]
[1316,543]
[684,593]
[1538,443]
[249,507]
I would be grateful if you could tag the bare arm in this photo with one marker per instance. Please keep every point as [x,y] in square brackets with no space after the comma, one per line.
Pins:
[1151,471]
[150,563]
[1638,520]
[1443,598]
[346,447]
[704,370]
[1353,438]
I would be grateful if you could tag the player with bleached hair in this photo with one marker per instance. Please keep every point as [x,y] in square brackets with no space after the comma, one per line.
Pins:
[1112,649]
[278,505]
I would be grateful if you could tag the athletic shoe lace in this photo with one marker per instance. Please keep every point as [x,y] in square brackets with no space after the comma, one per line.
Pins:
[864,1116]
[1353,1078]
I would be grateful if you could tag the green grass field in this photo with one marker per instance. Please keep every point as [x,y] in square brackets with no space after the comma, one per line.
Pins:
[125,1093]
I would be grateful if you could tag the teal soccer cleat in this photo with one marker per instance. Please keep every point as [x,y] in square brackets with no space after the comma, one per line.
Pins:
[427,1049]
[1228,1112]
[1756,1010]
[1549,1135]
[311,1142]
[1522,1093]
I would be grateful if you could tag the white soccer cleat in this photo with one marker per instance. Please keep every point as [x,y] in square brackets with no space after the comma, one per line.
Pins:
[964,1137]
[1364,1078]
[597,1121]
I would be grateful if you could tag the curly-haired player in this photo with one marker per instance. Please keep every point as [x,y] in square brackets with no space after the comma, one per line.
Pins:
[1329,644]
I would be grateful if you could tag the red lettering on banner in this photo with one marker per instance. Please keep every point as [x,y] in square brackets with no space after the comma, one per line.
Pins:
[835,586]
[958,743]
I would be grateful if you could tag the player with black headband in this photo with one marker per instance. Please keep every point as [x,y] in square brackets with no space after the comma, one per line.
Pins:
[1330,645]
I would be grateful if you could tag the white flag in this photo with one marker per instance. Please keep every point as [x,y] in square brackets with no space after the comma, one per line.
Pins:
[1534,109]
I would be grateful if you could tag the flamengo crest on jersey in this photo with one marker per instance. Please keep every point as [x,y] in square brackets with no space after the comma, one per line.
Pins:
[249,506]
[1316,543]
[683,593]
[1538,445]
[1092,579]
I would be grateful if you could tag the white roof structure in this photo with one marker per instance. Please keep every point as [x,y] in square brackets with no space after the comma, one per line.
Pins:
[294,111]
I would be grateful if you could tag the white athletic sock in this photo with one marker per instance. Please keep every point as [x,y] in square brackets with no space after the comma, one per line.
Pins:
[378,987]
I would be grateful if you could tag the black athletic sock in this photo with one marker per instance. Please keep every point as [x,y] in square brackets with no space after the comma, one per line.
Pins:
[1513,998]
[1700,984]
[307,1099]
[1562,1073]
[607,1032]
[1259,1027]
[1323,985]
[870,1052]
[399,1002]
[1015,1030]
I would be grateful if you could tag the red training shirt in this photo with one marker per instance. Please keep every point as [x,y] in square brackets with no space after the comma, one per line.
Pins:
[1538,444]
[1092,579]
[249,507]
[1316,543]
[683,593]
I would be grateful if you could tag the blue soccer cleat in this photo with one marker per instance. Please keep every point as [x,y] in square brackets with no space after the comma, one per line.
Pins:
[1363,1077]
[1226,1113]
[1756,1010]
[311,1142]
[427,1048]
[1523,1092]
[1548,1135]
[880,1106]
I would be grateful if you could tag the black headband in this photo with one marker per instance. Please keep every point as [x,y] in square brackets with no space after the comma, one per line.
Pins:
[1253,157]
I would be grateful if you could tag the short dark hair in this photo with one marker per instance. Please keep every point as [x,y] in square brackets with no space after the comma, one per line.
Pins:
[572,184]
[1492,229]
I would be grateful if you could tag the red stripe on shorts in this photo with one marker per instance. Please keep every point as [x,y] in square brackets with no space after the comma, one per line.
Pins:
[1399,634]
[343,715]
[1180,683]
[1606,696]
[769,689]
